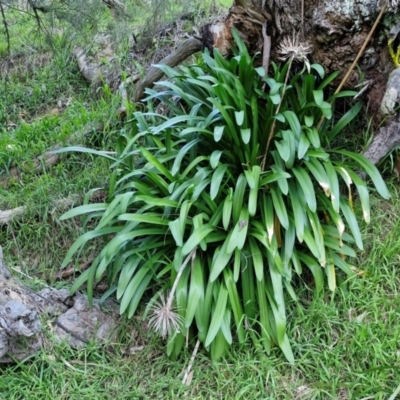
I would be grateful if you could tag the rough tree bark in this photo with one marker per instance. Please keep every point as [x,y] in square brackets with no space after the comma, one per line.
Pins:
[337,29]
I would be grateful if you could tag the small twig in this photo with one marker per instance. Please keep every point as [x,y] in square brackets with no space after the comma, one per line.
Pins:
[196,348]
[360,53]
[16,242]
[57,322]
[6,31]
[302,20]
[29,277]
[266,48]
[191,256]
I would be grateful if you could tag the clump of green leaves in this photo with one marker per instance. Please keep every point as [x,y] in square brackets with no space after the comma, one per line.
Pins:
[225,200]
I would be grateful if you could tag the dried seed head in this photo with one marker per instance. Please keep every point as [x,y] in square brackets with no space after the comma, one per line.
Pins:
[164,319]
[393,5]
[291,48]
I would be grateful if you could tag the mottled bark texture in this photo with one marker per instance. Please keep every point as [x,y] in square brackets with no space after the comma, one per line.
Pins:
[337,30]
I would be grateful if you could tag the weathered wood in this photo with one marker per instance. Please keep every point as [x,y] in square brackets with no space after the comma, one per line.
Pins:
[9,215]
[62,204]
[185,50]
[387,138]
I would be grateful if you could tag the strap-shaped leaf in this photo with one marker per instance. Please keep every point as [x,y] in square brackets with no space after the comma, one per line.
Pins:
[306,186]
[85,209]
[267,213]
[132,287]
[258,262]
[245,135]
[218,132]
[239,117]
[216,180]
[137,296]
[333,184]
[83,239]
[330,272]
[218,315]
[315,269]
[313,137]
[221,259]
[235,304]
[181,154]
[128,270]
[304,145]
[176,231]
[238,197]
[153,161]
[345,120]
[265,311]
[196,291]
[239,233]
[312,245]
[214,158]
[318,235]
[363,193]
[352,223]
[149,218]
[340,248]
[294,123]
[280,208]
[253,202]
[227,210]
[316,168]
[196,237]
[370,169]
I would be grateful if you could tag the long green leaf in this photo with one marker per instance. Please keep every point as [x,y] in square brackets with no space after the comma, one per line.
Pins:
[370,169]
[218,315]
[196,237]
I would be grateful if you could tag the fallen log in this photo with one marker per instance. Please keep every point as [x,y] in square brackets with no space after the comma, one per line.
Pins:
[185,50]
[8,216]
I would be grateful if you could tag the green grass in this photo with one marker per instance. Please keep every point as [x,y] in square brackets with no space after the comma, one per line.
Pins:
[347,343]
[346,346]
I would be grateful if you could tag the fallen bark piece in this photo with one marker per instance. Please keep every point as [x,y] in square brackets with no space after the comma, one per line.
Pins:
[387,138]
[392,94]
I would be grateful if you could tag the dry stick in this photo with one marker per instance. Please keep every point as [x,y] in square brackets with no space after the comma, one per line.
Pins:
[302,20]
[186,49]
[6,31]
[9,215]
[360,53]
[266,48]
[196,348]
[191,256]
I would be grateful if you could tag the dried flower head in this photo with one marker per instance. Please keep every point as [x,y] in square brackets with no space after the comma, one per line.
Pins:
[393,5]
[291,48]
[164,319]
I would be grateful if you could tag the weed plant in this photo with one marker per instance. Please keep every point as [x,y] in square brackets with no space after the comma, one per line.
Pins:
[222,202]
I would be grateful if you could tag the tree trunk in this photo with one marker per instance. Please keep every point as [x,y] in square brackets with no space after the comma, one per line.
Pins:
[337,30]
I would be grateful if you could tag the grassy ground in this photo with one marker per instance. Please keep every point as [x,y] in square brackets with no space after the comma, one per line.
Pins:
[345,344]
